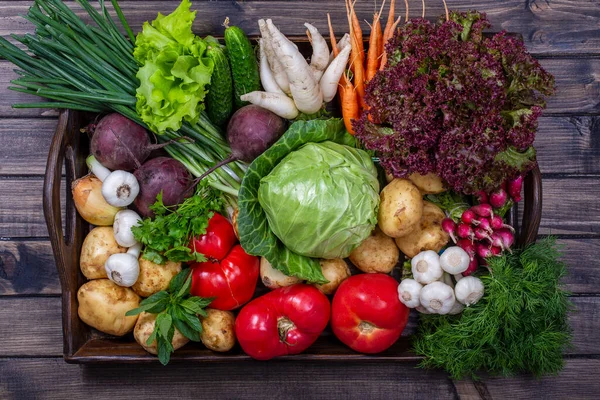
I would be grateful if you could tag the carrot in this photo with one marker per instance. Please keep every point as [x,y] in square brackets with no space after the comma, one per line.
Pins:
[358,33]
[350,109]
[332,37]
[386,39]
[357,61]
[375,44]
[390,20]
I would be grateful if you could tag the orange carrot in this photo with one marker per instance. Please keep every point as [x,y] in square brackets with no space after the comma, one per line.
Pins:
[386,39]
[358,33]
[332,37]
[356,60]
[375,44]
[390,20]
[350,109]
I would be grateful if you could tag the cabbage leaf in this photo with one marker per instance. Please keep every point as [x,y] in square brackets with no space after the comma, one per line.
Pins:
[256,236]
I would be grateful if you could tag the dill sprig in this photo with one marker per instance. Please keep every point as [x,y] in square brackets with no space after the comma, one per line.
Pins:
[520,325]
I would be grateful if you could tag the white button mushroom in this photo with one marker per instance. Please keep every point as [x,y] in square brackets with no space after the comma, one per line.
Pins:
[437,298]
[426,267]
[469,290]
[454,260]
[119,188]
[124,268]
[124,220]
[408,293]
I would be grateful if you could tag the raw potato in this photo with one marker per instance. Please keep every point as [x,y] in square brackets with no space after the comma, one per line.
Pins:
[154,277]
[98,245]
[273,278]
[400,209]
[143,329]
[103,304]
[335,271]
[218,330]
[429,234]
[428,184]
[378,253]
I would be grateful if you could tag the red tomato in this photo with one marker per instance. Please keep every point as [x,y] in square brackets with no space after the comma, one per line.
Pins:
[218,239]
[366,313]
[231,281]
[285,321]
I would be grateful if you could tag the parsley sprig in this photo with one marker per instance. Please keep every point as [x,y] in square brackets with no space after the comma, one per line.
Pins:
[166,236]
[176,309]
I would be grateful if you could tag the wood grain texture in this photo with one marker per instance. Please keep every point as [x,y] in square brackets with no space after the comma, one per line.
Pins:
[577,89]
[25,144]
[556,27]
[32,326]
[256,380]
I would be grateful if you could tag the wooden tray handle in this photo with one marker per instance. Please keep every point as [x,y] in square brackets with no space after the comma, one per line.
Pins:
[532,208]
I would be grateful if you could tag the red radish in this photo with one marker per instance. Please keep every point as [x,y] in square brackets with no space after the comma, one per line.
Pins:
[481,234]
[473,265]
[468,217]
[496,251]
[119,143]
[449,226]
[483,250]
[483,210]
[161,174]
[484,223]
[496,222]
[481,197]
[498,198]
[496,240]
[507,237]
[514,188]
[464,231]
[467,246]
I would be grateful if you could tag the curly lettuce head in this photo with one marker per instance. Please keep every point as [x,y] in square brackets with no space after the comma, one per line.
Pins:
[321,200]
[175,71]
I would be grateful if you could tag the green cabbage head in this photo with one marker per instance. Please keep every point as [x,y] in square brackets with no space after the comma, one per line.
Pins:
[321,200]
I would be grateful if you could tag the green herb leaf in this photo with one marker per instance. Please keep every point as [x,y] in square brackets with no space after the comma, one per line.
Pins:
[164,323]
[178,281]
[185,288]
[193,321]
[153,304]
[196,304]
[186,331]
[154,256]
[152,336]
[255,236]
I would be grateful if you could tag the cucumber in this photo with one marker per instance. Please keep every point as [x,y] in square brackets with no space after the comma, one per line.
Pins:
[219,99]
[244,67]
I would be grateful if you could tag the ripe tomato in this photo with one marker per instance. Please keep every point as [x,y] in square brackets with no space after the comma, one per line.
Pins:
[285,321]
[366,313]
[231,280]
[218,239]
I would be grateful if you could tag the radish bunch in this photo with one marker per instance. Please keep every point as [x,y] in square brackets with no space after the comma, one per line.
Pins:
[508,191]
[481,233]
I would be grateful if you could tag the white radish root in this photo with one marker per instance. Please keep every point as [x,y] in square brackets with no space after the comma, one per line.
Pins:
[331,77]
[276,67]
[305,90]
[343,42]
[266,75]
[278,103]
[320,55]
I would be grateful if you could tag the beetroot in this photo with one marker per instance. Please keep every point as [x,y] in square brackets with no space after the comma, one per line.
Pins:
[161,174]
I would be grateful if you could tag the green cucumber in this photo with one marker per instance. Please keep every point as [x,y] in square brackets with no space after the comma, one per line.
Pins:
[244,67]
[219,99]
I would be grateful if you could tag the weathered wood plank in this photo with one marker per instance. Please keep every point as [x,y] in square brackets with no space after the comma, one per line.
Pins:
[21,213]
[566,208]
[578,380]
[32,326]
[54,379]
[556,27]
[577,82]
[27,267]
[564,144]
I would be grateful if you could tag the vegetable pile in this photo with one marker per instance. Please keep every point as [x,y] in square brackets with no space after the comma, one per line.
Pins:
[281,190]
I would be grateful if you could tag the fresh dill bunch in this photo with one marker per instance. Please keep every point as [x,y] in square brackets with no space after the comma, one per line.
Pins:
[520,325]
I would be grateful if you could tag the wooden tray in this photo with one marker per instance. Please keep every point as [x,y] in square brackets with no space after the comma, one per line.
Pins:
[82,344]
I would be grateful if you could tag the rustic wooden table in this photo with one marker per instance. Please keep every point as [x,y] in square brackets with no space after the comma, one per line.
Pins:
[564,35]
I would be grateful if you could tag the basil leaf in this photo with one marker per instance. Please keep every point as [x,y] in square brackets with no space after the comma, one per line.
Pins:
[255,235]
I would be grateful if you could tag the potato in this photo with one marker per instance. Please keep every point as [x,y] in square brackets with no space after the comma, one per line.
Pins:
[377,253]
[143,329]
[103,304]
[273,278]
[429,234]
[400,209]
[428,184]
[218,330]
[98,245]
[154,277]
[335,271]
[234,218]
